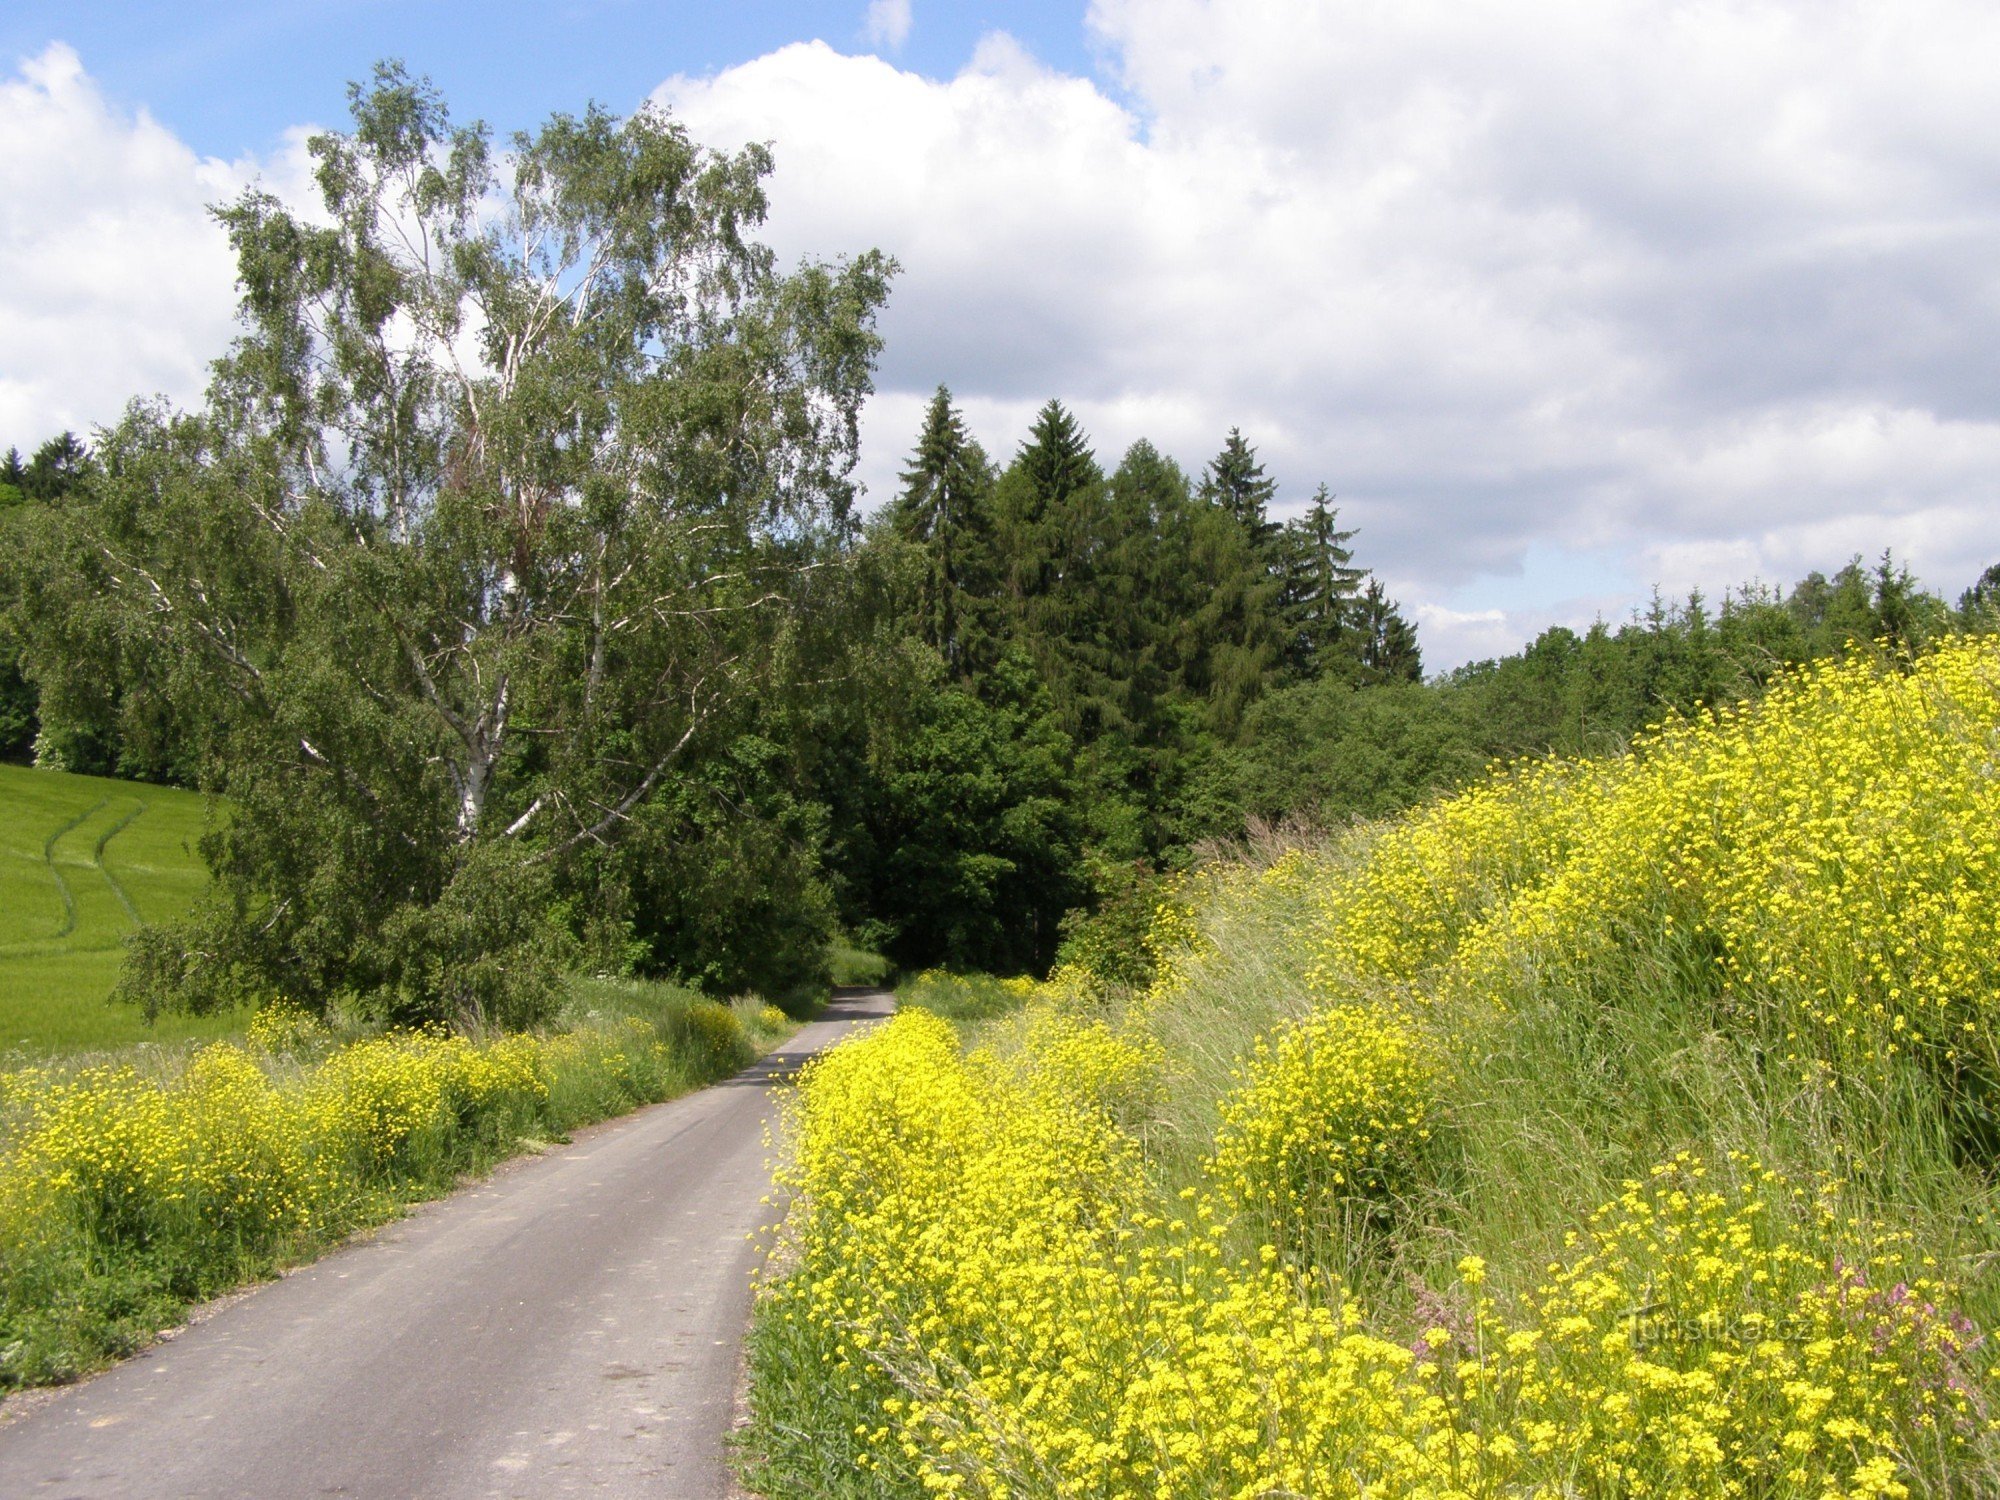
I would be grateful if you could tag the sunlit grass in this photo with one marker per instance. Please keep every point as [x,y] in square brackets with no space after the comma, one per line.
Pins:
[83,861]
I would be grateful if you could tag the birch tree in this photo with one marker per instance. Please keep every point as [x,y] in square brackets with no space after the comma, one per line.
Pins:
[522,465]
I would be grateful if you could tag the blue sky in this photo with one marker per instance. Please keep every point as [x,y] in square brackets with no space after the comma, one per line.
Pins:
[229,77]
[1564,299]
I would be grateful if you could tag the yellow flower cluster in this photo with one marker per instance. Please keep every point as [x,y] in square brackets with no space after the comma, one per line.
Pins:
[993,1282]
[713,1029]
[976,1265]
[123,1191]
[1691,1343]
[1172,935]
[1389,919]
[1824,864]
[281,1026]
[1328,1125]
[971,1259]
[226,1149]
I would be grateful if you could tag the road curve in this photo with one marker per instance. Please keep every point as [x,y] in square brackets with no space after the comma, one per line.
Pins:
[570,1326]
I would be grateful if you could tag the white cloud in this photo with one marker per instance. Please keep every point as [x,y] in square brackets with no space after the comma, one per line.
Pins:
[118,283]
[888,23]
[1691,288]
[1695,286]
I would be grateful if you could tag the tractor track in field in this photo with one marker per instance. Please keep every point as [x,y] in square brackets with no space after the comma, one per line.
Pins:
[56,940]
[97,859]
[49,859]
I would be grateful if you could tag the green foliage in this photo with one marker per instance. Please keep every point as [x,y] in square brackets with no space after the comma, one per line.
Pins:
[18,721]
[719,878]
[1235,482]
[1332,750]
[967,823]
[492,522]
[1102,640]
[945,509]
[59,467]
[1109,941]
[1321,585]
[13,478]
[1378,742]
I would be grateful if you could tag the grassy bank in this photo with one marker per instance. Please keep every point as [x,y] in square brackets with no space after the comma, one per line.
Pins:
[83,862]
[131,1187]
[1615,1128]
[963,997]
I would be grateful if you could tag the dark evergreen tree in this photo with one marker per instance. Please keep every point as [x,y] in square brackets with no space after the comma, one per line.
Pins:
[1979,605]
[1235,481]
[945,509]
[1035,497]
[1388,641]
[1321,590]
[57,467]
[1058,538]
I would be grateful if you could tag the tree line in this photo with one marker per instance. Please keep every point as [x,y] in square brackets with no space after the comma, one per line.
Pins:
[510,591]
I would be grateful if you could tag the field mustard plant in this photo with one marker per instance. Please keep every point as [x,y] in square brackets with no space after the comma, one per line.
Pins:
[124,1193]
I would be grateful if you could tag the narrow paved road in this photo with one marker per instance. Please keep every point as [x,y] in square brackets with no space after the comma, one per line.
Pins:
[569,1327]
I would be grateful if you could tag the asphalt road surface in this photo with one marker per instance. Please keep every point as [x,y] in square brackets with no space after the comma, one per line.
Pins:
[571,1326]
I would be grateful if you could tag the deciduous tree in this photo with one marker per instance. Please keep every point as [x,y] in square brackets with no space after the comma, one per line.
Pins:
[513,480]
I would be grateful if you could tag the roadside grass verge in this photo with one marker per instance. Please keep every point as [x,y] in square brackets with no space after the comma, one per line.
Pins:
[963,997]
[132,1186]
[849,965]
[1611,1128]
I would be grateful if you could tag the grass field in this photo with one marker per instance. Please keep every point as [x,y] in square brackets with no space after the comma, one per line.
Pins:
[83,862]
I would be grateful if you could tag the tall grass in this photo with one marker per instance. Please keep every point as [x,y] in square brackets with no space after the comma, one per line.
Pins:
[130,1186]
[963,997]
[1613,1128]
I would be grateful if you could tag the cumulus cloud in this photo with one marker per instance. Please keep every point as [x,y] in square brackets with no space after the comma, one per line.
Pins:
[1706,289]
[888,23]
[1563,301]
[118,282]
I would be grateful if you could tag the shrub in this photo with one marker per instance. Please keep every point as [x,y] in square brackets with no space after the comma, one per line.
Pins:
[1329,1127]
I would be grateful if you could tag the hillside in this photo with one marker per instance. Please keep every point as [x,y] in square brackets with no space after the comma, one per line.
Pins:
[1616,1127]
[84,860]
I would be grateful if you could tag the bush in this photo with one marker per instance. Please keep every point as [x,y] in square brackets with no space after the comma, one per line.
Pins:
[1329,1128]
[851,966]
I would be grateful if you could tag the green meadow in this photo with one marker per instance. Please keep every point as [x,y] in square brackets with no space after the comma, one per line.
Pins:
[85,860]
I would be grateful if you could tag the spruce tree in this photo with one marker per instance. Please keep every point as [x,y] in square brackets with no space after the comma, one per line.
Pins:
[944,508]
[1235,481]
[1050,489]
[58,466]
[1388,642]
[1321,587]
[1057,537]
